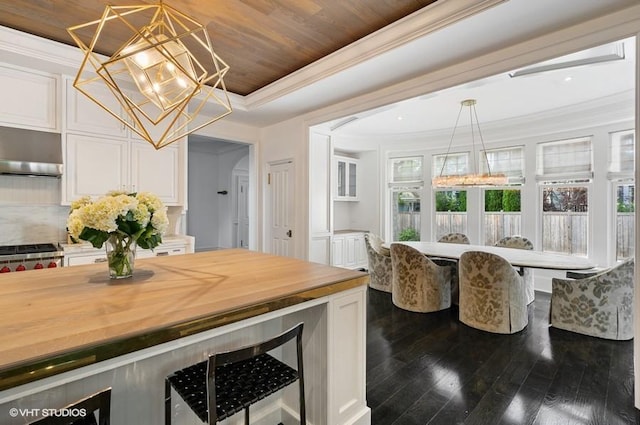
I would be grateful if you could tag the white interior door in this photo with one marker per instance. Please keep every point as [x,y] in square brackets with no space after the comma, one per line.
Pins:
[280,206]
[243,211]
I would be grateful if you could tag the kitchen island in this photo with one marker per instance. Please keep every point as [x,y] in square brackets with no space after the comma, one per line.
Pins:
[67,333]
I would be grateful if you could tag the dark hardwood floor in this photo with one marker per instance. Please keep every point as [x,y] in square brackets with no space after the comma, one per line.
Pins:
[429,368]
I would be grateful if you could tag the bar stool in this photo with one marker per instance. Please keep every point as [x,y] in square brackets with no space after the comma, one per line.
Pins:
[233,380]
[98,403]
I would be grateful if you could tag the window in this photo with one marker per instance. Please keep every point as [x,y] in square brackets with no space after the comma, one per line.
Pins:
[565,167]
[564,160]
[565,219]
[456,164]
[404,170]
[502,215]
[406,179]
[406,214]
[621,170]
[621,154]
[451,212]
[508,161]
[625,219]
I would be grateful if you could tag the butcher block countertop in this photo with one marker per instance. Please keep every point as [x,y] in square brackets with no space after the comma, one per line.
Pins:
[56,320]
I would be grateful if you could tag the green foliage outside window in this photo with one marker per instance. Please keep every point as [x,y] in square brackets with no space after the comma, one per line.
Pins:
[502,200]
[624,207]
[452,200]
[409,234]
[626,198]
[493,200]
[511,200]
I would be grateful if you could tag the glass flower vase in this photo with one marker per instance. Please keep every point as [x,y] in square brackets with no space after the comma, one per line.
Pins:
[121,255]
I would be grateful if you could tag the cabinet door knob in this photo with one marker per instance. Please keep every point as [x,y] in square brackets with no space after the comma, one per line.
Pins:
[289,233]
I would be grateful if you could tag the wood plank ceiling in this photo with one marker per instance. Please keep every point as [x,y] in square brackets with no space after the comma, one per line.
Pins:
[261,40]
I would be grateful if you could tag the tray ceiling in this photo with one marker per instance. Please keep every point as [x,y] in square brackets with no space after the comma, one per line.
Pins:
[261,41]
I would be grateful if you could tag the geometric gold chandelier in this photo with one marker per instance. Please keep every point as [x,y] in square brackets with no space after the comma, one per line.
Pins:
[469,179]
[163,82]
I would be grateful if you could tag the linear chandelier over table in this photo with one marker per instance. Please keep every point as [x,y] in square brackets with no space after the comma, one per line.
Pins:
[469,179]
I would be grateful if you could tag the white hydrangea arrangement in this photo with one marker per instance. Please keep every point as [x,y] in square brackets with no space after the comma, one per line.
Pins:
[140,216]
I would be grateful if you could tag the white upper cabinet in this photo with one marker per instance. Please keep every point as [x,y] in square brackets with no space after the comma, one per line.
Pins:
[29,99]
[97,165]
[85,115]
[94,166]
[346,179]
[102,154]
[156,171]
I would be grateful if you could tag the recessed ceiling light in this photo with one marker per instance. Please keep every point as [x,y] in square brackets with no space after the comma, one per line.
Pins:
[567,79]
[400,118]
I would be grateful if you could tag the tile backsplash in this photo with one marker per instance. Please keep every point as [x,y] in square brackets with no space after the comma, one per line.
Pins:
[30,211]
[27,224]
[33,224]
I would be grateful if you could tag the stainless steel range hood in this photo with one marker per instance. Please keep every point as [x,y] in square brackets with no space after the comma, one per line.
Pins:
[30,152]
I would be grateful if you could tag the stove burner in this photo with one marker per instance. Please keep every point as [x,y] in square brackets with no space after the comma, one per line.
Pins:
[7,250]
[37,248]
[27,249]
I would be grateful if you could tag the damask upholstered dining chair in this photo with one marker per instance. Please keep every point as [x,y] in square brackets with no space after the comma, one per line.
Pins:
[600,305]
[379,263]
[520,242]
[418,283]
[454,238]
[492,296]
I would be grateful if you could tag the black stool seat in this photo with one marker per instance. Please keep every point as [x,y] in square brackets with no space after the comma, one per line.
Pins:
[234,380]
[238,385]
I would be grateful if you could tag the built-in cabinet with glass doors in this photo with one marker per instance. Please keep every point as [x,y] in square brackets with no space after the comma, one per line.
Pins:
[346,170]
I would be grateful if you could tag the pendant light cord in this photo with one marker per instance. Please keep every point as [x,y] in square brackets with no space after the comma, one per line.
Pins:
[472,113]
[446,156]
[484,149]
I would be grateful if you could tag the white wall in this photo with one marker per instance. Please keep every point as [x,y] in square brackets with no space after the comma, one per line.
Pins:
[320,202]
[202,216]
[226,209]
[365,214]
[210,216]
[288,140]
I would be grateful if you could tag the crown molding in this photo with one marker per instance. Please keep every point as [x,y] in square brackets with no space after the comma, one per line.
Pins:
[617,25]
[424,21]
[37,48]
[31,49]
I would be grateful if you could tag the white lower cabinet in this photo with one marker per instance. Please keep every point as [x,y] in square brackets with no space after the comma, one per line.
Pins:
[347,371]
[348,250]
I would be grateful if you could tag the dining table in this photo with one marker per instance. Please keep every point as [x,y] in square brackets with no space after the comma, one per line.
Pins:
[516,257]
